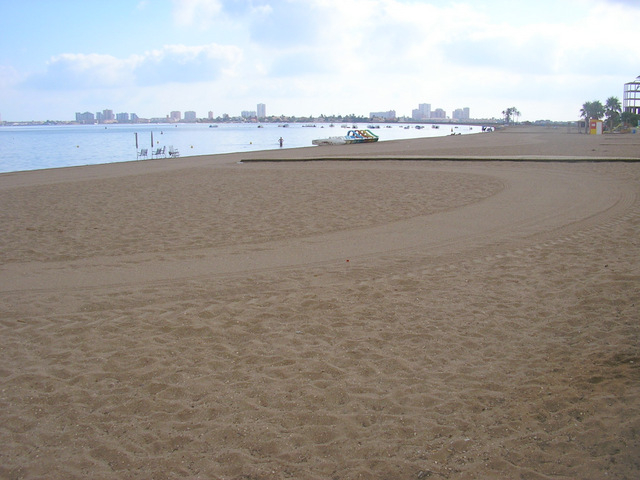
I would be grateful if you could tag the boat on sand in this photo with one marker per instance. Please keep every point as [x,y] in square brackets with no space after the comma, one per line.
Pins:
[352,136]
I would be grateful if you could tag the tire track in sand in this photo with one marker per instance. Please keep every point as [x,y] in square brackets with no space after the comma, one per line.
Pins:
[541,203]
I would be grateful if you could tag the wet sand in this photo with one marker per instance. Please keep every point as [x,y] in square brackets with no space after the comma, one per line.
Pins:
[436,315]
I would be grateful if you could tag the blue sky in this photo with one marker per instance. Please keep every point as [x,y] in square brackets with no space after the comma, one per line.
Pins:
[312,57]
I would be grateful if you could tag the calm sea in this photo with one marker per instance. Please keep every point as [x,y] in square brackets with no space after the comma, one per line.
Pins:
[38,147]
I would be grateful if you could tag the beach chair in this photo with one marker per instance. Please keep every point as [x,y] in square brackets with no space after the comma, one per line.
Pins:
[159,151]
[142,153]
[173,152]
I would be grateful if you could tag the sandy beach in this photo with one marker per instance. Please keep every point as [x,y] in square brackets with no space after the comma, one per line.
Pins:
[461,307]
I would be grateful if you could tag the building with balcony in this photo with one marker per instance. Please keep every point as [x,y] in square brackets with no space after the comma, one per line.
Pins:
[388,115]
[108,116]
[439,113]
[461,114]
[423,112]
[86,118]
[631,97]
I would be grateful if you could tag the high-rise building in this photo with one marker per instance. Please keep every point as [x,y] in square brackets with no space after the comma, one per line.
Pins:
[190,116]
[210,115]
[388,115]
[423,112]
[122,117]
[108,116]
[86,117]
[246,114]
[175,116]
[262,110]
[438,113]
[460,114]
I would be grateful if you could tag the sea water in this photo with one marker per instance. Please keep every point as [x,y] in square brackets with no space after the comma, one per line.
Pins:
[53,146]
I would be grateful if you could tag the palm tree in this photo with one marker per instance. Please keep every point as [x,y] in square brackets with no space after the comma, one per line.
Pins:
[584,113]
[509,113]
[613,109]
[591,110]
[516,112]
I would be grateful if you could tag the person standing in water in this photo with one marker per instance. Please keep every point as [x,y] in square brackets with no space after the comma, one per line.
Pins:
[281,141]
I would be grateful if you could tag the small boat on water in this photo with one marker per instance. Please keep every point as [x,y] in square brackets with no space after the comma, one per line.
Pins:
[352,136]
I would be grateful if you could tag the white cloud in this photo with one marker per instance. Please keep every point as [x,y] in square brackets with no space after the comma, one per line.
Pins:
[186,64]
[79,71]
[344,56]
[171,63]
[626,3]
[199,13]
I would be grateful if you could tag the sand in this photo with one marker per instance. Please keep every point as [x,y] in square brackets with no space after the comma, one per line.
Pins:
[440,314]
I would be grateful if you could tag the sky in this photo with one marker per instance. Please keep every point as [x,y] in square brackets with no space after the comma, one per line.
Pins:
[313,57]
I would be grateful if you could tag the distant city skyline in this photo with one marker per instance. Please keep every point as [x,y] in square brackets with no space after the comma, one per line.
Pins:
[422,113]
[312,57]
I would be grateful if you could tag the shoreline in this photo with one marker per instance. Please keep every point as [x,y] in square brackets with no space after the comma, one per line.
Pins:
[510,143]
[192,139]
[472,316]
[517,143]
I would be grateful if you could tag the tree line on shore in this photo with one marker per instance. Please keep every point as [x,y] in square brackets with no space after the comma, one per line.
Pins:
[611,111]
[510,115]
